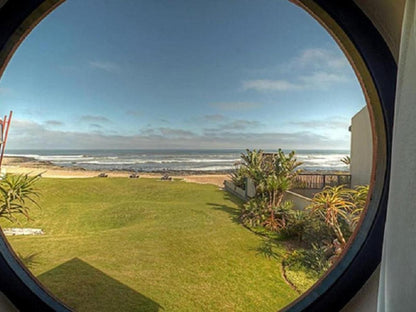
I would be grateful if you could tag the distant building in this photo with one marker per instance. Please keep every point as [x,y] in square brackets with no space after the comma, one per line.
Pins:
[361,148]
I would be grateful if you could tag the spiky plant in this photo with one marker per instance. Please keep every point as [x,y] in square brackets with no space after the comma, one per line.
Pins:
[16,192]
[346,160]
[333,205]
[359,198]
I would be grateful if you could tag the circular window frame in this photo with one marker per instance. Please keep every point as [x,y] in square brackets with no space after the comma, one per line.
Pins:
[376,70]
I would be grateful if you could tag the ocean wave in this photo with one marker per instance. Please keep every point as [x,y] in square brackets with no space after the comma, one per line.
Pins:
[60,158]
[22,155]
[160,160]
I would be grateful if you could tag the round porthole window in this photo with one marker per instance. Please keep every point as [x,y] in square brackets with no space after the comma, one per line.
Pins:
[376,73]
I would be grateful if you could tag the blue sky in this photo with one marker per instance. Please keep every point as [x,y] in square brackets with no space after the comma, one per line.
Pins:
[179,74]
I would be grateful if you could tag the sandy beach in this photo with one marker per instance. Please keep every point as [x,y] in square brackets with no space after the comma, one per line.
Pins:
[27,165]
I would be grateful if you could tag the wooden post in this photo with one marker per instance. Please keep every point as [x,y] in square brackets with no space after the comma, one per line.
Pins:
[5,129]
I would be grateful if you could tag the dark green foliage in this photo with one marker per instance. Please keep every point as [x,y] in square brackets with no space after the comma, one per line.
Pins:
[253,212]
[238,177]
[297,223]
[321,231]
[316,230]
[315,259]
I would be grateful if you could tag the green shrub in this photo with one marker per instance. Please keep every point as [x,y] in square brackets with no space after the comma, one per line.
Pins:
[315,259]
[16,192]
[296,225]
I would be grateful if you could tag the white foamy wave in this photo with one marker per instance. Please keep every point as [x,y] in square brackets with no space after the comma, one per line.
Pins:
[23,155]
[172,160]
[103,162]
[209,160]
[58,158]
[213,168]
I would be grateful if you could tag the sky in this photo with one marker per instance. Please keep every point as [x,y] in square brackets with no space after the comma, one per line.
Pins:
[194,74]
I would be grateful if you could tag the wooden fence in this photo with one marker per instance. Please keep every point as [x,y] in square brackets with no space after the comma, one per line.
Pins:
[319,181]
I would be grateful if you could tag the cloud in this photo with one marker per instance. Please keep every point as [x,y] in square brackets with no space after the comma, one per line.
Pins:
[235,125]
[95,119]
[320,58]
[322,79]
[25,134]
[167,132]
[214,117]
[54,123]
[326,123]
[235,106]
[312,69]
[316,80]
[106,66]
[270,85]
[177,133]
[94,125]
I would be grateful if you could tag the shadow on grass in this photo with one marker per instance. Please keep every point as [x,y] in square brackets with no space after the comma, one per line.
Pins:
[86,288]
[234,212]
[234,199]
[266,249]
[28,260]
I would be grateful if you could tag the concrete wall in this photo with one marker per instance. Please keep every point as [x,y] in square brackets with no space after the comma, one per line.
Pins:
[299,201]
[361,148]
[250,188]
[236,191]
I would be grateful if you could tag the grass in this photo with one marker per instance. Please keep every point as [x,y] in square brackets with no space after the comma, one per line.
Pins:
[122,244]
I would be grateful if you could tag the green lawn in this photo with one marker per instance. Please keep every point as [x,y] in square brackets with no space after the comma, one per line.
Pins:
[121,244]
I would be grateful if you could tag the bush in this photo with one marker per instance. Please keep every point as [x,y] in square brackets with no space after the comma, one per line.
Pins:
[253,212]
[296,225]
[315,259]
[16,192]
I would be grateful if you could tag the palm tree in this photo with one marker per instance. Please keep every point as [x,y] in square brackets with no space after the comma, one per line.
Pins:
[272,174]
[346,160]
[16,191]
[253,165]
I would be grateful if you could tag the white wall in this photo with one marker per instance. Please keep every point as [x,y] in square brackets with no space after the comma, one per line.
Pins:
[361,148]
[299,201]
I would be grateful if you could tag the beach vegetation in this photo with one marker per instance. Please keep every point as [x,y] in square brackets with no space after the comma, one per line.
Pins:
[359,198]
[17,193]
[317,234]
[340,208]
[272,174]
[333,205]
[323,230]
[346,160]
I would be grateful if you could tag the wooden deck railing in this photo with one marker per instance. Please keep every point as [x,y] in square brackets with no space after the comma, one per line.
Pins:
[319,181]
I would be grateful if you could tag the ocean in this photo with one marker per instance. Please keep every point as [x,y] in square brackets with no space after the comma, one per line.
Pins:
[173,160]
